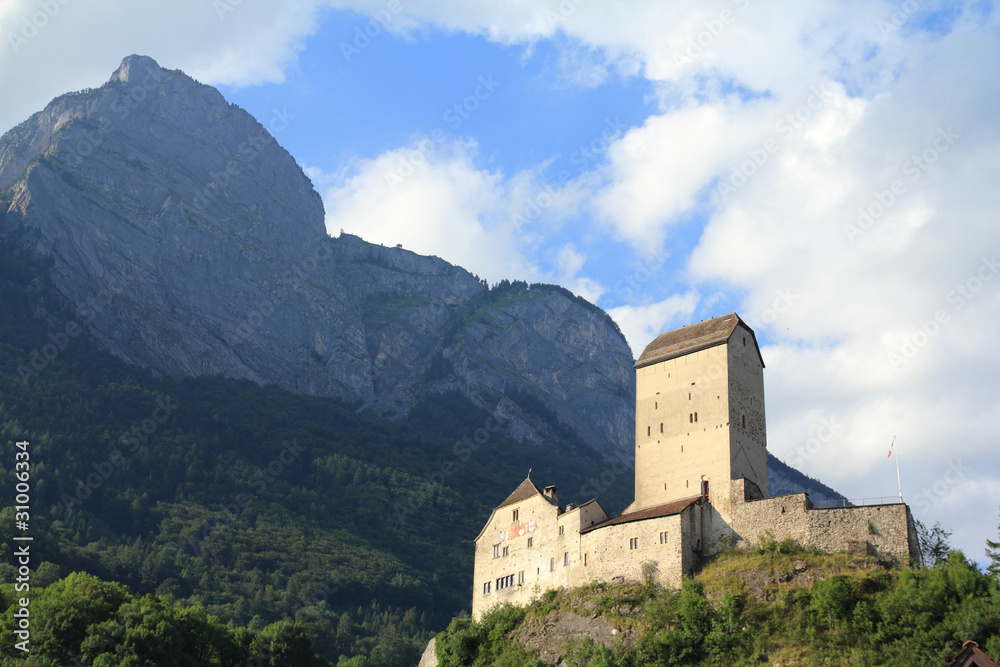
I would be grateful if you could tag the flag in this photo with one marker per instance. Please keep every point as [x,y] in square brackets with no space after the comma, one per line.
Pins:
[891,445]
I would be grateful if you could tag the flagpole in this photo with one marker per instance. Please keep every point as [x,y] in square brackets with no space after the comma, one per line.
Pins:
[899,484]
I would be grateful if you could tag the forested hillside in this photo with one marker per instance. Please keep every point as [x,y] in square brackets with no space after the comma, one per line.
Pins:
[256,503]
[776,605]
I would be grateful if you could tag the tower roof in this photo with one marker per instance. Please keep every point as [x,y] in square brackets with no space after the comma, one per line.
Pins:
[693,338]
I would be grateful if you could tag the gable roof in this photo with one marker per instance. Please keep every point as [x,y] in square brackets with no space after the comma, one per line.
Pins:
[673,507]
[693,338]
[525,490]
[971,656]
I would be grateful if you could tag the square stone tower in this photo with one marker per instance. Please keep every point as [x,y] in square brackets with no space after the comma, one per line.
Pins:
[699,415]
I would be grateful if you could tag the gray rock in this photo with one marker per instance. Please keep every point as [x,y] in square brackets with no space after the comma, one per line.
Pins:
[201,246]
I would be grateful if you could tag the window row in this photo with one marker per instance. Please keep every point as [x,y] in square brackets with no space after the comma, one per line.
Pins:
[505,582]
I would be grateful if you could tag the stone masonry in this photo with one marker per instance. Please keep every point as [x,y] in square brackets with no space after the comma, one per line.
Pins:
[700,484]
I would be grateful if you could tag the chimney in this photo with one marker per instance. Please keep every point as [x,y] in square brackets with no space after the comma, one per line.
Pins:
[550,493]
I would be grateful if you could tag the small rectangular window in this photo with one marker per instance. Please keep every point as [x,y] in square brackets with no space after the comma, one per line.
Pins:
[505,550]
[690,417]
[649,430]
[486,588]
[515,515]
[664,538]
[552,565]
[562,529]
[496,551]
[744,420]
[520,577]
[530,540]
[585,560]
[661,427]
[656,405]
[566,558]
[696,416]
[633,543]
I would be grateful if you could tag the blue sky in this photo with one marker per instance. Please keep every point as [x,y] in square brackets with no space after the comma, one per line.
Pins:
[825,168]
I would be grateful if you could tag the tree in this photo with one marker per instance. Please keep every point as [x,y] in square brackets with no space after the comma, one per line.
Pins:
[993,553]
[934,546]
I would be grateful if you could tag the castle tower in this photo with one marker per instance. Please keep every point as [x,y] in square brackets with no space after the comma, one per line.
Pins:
[699,415]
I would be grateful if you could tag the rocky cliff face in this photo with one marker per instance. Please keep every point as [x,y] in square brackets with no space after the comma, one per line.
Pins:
[199,246]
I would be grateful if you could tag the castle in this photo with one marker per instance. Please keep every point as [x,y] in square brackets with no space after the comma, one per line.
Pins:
[700,483]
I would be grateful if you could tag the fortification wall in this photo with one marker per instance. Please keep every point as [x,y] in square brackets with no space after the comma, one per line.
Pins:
[883,530]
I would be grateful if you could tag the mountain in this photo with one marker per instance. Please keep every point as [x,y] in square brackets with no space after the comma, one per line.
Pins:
[200,247]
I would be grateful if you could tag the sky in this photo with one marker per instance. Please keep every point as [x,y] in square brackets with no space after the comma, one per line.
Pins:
[825,169]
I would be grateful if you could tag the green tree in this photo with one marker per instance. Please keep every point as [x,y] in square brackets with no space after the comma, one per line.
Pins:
[934,545]
[993,552]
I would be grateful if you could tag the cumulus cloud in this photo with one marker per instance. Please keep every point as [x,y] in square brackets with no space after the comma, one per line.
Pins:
[642,323]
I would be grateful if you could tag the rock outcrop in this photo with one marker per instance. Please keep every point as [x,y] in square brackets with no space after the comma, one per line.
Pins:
[200,246]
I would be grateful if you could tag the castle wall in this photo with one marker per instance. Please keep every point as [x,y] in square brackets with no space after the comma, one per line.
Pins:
[885,530]
[612,553]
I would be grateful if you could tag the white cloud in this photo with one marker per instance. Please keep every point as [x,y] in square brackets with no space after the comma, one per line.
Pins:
[432,198]
[641,324]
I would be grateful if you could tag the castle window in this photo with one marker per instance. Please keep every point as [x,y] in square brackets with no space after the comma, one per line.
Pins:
[585,560]
[633,543]
[530,540]
[562,529]
[661,427]
[696,416]
[486,588]
[664,538]
[505,551]
[689,396]
[656,405]
[566,558]
[649,430]
[496,551]
[744,341]
[515,516]
[505,582]
[744,420]
[552,565]
[520,577]
[690,417]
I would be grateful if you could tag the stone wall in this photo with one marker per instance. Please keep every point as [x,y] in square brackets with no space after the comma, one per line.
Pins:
[883,530]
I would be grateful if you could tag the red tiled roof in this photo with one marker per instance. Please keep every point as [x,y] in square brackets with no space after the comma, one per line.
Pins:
[693,338]
[674,507]
[971,656]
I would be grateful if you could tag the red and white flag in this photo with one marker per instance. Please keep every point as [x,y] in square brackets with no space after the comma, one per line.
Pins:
[891,445]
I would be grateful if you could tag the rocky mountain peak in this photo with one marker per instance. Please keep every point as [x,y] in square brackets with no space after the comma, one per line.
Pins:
[135,68]
[204,246]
